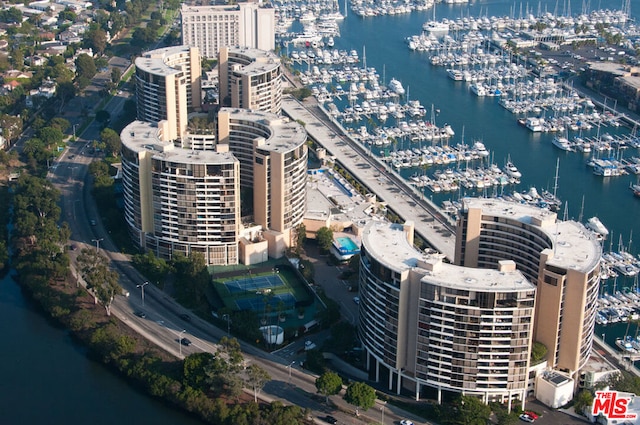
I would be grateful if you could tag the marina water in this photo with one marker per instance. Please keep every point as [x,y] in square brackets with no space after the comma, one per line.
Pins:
[380,41]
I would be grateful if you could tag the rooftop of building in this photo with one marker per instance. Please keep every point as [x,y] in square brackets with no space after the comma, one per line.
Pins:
[388,244]
[200,9]
[142,136]
[610,67]
[153,62]
[261,61]
[574,247]
[285,134]
[328,196]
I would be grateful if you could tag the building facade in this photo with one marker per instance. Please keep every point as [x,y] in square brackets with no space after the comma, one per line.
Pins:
[179,200]
[184,195]
[211,28]
[168,87]
[273,165]
[429,325]
[250,79]
[561,257]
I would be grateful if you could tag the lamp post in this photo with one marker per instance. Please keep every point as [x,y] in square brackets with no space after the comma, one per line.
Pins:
[382,413]
[228,319]
[603,340]
[180,341]
[141,286]
[290,364]
[97,241]
[74,132]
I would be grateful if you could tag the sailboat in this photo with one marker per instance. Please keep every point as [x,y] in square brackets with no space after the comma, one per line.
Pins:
[434,27]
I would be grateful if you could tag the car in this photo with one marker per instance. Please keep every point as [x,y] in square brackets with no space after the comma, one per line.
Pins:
[185,341]
[309,345]
[185,317]
[532,415]
[406,422]
[526,418]
[93,222]
[141,314]
[330,419]
[356,300]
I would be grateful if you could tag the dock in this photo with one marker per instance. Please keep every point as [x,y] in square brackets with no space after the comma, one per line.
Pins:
[431,223]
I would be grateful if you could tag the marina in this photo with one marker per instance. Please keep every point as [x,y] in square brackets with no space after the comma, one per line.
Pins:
[596,128]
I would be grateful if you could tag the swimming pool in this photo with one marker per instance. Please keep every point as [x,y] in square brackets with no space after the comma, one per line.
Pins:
[346,246]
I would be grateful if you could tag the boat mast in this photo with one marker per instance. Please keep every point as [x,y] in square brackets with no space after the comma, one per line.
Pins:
[555,179]
[581,210]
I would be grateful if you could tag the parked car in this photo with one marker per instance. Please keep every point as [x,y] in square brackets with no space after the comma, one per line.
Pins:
[406,422]
[330,419]
[185,341]
[141,314]
[526,418]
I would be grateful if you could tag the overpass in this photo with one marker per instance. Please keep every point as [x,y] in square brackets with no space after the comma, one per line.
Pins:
[436,228]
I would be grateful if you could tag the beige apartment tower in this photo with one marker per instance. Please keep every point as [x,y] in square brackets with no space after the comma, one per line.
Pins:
[168,87]
[561,257]
[210,28]
[250,79]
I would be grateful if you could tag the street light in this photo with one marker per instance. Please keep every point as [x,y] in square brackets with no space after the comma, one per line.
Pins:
[180,341]
[97,241]
[74,132]
[603,340]
[382,410]
[141,286]
[228,319]
[290,364]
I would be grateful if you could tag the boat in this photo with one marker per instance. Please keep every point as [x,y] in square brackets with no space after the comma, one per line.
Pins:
[636,189]
[330,42]
[596,225]
[396,87]
[562,142]
[534,124]
[511,170]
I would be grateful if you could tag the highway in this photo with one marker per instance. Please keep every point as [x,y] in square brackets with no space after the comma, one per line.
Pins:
[162,324]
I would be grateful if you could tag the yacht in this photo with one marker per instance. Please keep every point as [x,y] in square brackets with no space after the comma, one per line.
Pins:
[435,28]
[396,87]
[596,225]
[511,170]
[534,124]
[455,74]
[562,143]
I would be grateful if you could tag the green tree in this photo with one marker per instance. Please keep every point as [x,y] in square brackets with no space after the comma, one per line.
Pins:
[111,141]
[324,236]
[194,370]
[257,377]
[582,401]
[329,383]
[50,136]
[470,411]
[360,395]
[538,352]
[102,281]
[85,67]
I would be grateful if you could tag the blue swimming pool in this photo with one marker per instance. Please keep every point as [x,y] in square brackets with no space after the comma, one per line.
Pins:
[346,246]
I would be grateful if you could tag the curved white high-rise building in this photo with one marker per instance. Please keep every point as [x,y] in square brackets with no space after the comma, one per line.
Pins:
[426,324]
[168,87]
[250,79]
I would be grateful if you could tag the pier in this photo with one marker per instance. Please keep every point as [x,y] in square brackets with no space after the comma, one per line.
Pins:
[435,227]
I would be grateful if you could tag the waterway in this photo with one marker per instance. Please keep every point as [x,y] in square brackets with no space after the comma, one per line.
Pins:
[381,42]
[48,379]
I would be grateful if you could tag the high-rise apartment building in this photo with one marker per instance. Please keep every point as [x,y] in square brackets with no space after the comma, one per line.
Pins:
[561,257]
[211,28]
[429,325]
[168,87]
[250,79]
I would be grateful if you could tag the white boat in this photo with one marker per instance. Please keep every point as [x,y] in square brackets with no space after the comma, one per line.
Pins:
[455,74]
[534,124]
[596,225]
[562,143]
[480,149]
[435,27]
[330,42]
[511,170]
[396,87]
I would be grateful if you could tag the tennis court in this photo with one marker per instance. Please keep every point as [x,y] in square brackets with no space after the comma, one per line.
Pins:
[253,284]
[259,303]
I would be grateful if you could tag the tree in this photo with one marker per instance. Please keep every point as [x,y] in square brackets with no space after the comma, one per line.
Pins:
[96,39]
[98,277]
[583,400]
[116,74]
[257,377]
[111,141]
[360,395]
[324,236]
[538,352]
[103,117]
[329,383]
[470,411]
[85,67]
[301,236]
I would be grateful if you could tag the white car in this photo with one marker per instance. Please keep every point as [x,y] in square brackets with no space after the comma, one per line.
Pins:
[356,300]
[526,418]
[406,422]
[309,345]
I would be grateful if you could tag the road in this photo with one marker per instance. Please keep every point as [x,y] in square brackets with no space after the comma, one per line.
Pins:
[162,324]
